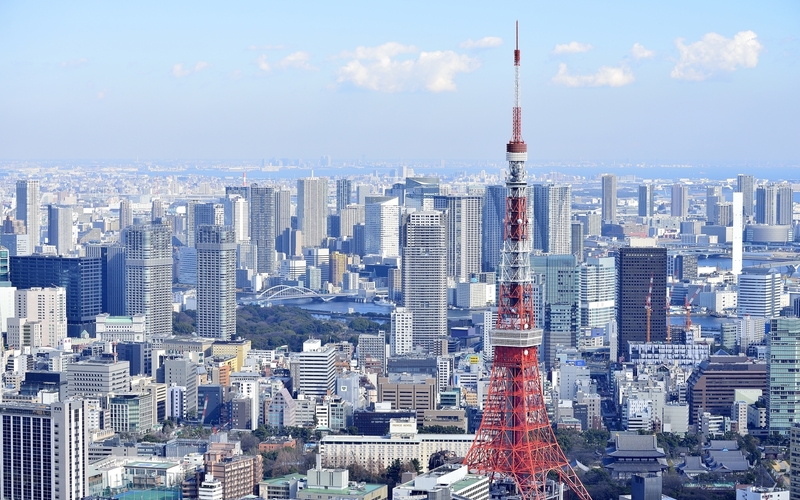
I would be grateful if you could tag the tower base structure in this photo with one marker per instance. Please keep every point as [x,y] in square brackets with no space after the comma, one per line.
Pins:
[515,441]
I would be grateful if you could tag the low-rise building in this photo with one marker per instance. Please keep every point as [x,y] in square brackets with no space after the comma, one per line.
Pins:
[453,477]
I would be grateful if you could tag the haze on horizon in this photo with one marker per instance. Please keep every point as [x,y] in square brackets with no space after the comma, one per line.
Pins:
[682,81]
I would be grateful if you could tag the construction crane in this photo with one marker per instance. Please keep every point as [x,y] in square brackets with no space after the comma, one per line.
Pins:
[648,306]
[688,305]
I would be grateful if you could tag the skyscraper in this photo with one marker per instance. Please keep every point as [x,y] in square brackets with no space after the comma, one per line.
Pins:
[45,450]
[425,279]
[646,200]
[148,276]
[262,225]
[125,213]
[562,314]
[783,378]
[40,318]
[112,276]
[344,188]
[759,292]
[463,225]
[635,266]
[283,211]
[216,282]
[312,209]
[713,198]
[59,229]
[551,218]
[28,209]
[208,214]
[744,185]
[598,291]
[680,201]
[494,212]
[382,216]
[157,210]
[774,204]
[608,208]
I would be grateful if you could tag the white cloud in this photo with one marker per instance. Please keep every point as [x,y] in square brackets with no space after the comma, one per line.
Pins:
[714,53]
[261,62]
[606,76]
[572,48]
[179,71]
[639,52]
[376,68]
[487,42]
[102,94]
[297,60]
[74,63]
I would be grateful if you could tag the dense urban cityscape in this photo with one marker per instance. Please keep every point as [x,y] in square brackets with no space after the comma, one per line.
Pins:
[295,328]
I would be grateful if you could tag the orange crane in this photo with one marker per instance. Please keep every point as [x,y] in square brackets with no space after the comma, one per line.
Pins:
[688,304]
[648,306]
[669,301]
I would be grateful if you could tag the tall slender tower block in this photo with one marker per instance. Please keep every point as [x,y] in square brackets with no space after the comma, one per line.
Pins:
[516,441]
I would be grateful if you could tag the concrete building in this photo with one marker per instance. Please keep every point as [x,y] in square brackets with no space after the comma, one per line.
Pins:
[745,184]
[132,412]
[401,338]
[382,219]
[313,370]
[759,292]
[425,279]
[93,378]
[774,204]
[783,378]
[344,191]
[121,328]
[598,291]
[312,209]
[454,479]
[409,392]
[182,372]
[59,229]
[679,206]
[28,206]
[562,314]
[148,276]
[45,452]
[551,205]
[239,475]
[463,220]
[608,205]
[403,443]
[494,214]
[263,203]
[372,353]
[712,385]
[762,493]
[216,282]
[794,462]
[646,200]
[40,318]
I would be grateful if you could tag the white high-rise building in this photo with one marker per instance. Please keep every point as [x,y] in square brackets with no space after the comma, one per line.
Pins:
[680,201]
[313,370]
[425,279]
[40,318]
[262,225]
[125,214]
[598,292]
[463,221]
[382,235]
[216,282]
[45,450]
[28,209]
[401,339]
[240,218]
[551,227]
[59,229]
[608,206]
[349,217]
[736,240]
[759,292]
[176,402]
[312,209]
[148,276]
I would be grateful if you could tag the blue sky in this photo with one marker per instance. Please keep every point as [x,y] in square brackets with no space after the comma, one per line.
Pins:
[644,81]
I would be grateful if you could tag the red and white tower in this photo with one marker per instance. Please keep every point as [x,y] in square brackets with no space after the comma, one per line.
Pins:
[516,441]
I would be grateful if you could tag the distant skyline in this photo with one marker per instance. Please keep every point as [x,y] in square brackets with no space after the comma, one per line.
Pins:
[679,82]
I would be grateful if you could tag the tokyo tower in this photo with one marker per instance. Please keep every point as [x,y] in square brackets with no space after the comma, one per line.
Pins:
[516,442]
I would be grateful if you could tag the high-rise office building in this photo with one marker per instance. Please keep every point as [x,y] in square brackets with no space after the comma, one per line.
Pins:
[349,217]
[745,185]
[59,229]
[372,352]
[237,215]
[148,276]
[576,237]
[562,313]
[713,199]
[425,279]
[80,276]
[28,209]
[181,372]
[551,218]
[680,201]
[774,204]
[242,191]
[312,209]
[598,291]
[208,214]
[494,213]
[191,224]
[314,370]
[125,213]
[463,225]
[401,337]
[344,189]
[216,282]
[157,211]
[635,267]
[783,378]
[608,207]
[283,211]
[44,451]
[262,225]
[112,276]
[382,217]
[646,201]
[40,318]
[759,292]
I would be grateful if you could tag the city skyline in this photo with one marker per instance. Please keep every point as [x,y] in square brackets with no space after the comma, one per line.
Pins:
[679,83]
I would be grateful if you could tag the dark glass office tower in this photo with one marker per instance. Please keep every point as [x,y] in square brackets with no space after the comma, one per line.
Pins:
[635,266]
